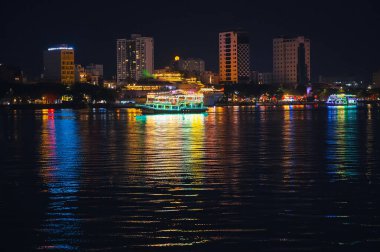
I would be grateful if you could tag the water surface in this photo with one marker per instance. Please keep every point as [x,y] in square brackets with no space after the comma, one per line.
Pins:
[243,178]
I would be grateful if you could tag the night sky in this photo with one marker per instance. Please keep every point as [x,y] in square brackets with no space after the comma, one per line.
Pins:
[345,36]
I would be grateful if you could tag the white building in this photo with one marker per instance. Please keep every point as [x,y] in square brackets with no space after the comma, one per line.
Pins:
[144,57]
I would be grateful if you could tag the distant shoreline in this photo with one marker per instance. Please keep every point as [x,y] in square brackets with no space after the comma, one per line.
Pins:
[116,106]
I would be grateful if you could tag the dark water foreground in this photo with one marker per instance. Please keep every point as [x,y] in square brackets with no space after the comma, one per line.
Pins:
[242,179]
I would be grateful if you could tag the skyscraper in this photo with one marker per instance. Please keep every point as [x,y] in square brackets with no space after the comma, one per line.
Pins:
[291,60]
[59,64]
[131,59]
[135,58]
[234,57]
[121,61]
[144,57]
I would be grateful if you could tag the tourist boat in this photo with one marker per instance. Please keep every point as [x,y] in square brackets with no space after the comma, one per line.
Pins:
[342,100]
[173,102]
[292,100]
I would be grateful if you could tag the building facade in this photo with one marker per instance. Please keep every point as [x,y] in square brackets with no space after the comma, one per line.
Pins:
[59,64]
[208,77]
[144,57]
[261,78]
[121,61]
[80,74]
[135,58]
[234,57]
[265,79]
[131,59]
[94,73]
[196,66]
[291,60]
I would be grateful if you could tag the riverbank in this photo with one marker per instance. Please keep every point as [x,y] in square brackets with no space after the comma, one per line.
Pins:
[133,105]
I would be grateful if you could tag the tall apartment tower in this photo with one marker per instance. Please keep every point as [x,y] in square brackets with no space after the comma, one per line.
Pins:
[121,61]
[131,59]
[291,60]
[234,57]
[59,64]
[144,57]
[135,58]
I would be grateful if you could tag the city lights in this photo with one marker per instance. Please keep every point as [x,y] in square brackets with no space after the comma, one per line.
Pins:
[60,48]
[190,126]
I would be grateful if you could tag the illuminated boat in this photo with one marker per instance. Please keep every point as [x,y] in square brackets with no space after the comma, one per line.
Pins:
[342,100]
[173,102]
[292,100]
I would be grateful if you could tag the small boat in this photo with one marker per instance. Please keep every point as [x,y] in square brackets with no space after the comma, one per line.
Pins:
[175,102]
[342,100]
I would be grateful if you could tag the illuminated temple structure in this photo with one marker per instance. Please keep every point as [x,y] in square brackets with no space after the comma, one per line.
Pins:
[175,77]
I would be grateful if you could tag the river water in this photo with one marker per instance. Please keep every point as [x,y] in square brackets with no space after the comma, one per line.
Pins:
[292,178]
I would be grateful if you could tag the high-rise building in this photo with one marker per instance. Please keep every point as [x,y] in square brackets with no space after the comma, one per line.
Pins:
[121,61]
[234,57]
[59,64]
[291,60]
[135,58]
[144,57]
[131,58]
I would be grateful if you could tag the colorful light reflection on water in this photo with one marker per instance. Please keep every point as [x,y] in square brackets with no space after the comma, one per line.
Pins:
[343,143]
[266,179]
[60,162]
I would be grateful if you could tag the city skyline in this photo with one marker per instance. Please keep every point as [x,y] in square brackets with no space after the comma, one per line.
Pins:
[189,125]
[343,36]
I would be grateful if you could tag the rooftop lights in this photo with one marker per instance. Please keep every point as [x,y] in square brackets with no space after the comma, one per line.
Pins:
[60,48]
